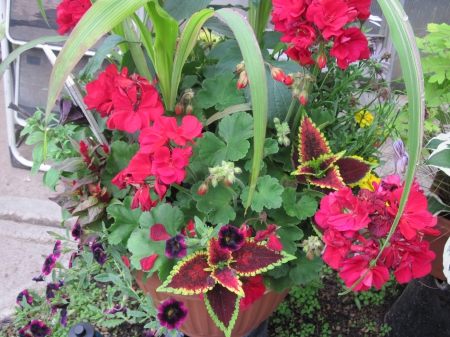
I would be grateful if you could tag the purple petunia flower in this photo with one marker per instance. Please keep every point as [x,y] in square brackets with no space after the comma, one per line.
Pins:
[49,263]
[63,317]
[230,238]
[77,231]
[23,331]
[50,290]
[116,308]
[21,295]
[98,252]
[172,313]
[39,329]
[401,157]
[175,247]
[39,278]
[57,249]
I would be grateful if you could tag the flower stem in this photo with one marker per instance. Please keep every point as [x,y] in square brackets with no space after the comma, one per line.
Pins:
[192,173]
[291,110]
[232,192]
[181,189]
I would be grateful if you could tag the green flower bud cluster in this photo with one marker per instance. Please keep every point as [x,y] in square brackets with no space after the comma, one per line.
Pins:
[313,246]
[282,132]
[224,173]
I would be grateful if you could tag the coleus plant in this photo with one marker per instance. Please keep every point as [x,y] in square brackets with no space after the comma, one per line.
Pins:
[318,166]
[217,273]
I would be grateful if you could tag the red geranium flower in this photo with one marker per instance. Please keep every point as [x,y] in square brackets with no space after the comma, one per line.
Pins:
[286,12]
[329,15]
[358,9]
[354,268]
[349,47]
[301,37]
[69,12]
[169,165]
[303,56]
[253,289]
[337,248]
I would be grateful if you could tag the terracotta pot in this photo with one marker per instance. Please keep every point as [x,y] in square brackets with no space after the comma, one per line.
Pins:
[437,244]
[199,323]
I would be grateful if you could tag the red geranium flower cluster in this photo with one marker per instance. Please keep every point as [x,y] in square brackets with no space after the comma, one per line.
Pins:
[356,226]
[161,160]
[129,102]
[69,12]
[305,23]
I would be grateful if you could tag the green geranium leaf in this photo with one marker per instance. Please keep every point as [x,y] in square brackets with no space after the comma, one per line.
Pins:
[229,60]
[126,221]
[169,216]
[279,271]
[120,156]
[216,203]
[113,189]
[267,194]
[288,237]
[305,270]
[182,9]
[234,129]
[220,92]
[301,209]
[277,284]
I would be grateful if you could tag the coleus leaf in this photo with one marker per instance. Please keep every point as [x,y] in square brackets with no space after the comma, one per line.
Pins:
[216,255]
[228,278]
[331,180]
[189,276]
[353,170]
[223,307]
[254,258]
[312,143]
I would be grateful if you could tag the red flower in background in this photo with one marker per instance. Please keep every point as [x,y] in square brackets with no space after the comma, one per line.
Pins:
[349,47]
[69,12]
[329,15]
[303,56]
[253,289]
[286,13]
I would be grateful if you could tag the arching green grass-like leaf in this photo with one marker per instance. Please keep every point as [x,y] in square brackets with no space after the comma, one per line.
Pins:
[258,87]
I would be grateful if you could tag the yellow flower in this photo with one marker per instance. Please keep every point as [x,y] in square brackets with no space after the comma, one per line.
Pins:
[367,182]
[364,118]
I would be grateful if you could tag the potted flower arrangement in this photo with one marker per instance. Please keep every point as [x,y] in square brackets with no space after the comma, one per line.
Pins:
[207,156]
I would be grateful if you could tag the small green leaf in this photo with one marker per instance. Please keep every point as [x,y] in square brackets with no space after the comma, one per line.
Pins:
[169,216]
[220,92]
[120,156]
[304,208]
[182,9]
[267,194]
[126,221]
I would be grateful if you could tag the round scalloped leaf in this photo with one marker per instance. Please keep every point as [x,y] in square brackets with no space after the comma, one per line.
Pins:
[254,258]
[223,307]
[228,278]
[189,276]
[215,254]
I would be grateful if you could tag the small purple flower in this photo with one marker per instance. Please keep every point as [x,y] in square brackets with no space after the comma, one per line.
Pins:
[50,290]
[49,263]
[63,317]
[22,294]
[401,157]
[230,238]
[77,231]
[116,308]
[175,247]
[23,331]
[98,252]
[39,278]
[39,329]
[172,313]
[57,249]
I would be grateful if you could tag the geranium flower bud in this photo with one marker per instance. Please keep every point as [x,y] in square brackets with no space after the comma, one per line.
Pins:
[243,80]
[179,108]
[189,109]
[296,92]
[322,61]
[303,97]
[203,189]
[277,74]
[288,80]
[240,67]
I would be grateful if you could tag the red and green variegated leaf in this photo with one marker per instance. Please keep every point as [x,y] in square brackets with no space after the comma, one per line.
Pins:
[228,278]
[329,159]
[312,143]
[223,307]
[254,258]
[331,180]
[189,276]
[305,169]
[353,170]
[216,255]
